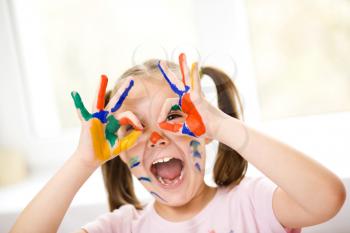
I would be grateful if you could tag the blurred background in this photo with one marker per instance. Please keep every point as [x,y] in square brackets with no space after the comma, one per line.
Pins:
[290,61]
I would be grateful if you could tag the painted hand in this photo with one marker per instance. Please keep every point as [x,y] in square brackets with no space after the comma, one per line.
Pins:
[190,101]
[99,131]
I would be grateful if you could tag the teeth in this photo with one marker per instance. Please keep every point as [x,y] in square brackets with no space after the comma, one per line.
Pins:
[162,160]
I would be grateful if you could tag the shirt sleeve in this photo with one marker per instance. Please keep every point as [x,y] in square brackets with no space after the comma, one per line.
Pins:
[261,194]
[115,222]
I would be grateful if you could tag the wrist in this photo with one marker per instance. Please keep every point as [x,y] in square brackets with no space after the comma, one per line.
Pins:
[233,133]
[80,159]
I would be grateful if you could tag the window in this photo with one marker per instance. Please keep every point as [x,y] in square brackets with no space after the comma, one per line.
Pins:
[301,53]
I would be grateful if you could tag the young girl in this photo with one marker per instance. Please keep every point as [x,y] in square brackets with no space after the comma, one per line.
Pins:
[155,126]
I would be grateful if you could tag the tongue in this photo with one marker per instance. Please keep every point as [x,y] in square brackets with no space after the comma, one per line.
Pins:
[169,170]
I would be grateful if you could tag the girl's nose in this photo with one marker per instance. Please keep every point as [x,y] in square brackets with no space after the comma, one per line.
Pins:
[156,140]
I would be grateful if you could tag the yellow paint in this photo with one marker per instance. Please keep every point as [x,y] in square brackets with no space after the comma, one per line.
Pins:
[192,74]
[100,144]
[126,142]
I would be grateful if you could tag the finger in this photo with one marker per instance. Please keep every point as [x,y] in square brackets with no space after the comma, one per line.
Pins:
[129,118]
[118,99]
[184,69]
[80,106]
[127,142]
[100,105]
[175,84]
[100,145]
[195,79]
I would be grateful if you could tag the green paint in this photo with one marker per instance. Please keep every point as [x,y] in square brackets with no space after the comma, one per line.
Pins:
[111,128]
[79,105]
[133,161]
[175,107]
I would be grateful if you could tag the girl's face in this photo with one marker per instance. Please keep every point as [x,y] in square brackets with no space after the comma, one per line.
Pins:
[170,167]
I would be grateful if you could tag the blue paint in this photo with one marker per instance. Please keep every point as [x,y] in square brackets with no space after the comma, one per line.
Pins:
[143,178]
[194,144]
[122,97]
[186,130]
[101,115]
[196,165]
[172,85]
[155,194]
[135,164]
[196,154]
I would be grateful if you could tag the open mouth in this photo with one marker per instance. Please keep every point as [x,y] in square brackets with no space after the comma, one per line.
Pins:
[169,171]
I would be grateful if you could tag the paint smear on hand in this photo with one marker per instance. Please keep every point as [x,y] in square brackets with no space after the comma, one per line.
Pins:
[127,142]
[101,147]
[101,93]
[79,105]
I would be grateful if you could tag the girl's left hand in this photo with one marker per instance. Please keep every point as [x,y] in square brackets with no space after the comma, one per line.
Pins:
[201,119]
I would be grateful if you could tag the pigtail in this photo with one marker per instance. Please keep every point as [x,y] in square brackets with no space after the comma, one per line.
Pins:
[118,180]
[230,167]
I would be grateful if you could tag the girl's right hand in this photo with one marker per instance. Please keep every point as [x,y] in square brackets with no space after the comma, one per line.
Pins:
[98,138]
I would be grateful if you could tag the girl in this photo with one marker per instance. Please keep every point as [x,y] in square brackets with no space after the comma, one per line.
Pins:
[156,127]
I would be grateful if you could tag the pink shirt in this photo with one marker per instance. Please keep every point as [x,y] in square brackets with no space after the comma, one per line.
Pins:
[246,208]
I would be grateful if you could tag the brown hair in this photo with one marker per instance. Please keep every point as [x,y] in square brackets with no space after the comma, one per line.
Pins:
[229,168]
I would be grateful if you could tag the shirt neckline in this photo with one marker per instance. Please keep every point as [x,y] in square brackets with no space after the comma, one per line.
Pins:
[160,222]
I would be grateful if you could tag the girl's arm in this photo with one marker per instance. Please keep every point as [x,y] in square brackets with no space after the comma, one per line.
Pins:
[98,143]
[46,211]
[308,193]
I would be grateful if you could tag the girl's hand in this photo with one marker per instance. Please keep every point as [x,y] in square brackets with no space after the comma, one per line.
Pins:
[98,139]
[200,117]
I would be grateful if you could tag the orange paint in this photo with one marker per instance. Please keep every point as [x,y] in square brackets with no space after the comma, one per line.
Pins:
[102,92]
[101,146]
[182,61]
[155,137]
[127,121]
[194,120]
[173,127]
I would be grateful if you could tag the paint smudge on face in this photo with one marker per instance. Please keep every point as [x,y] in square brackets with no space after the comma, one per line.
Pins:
[197,166]
[144,178]
[194,144]
[155,136]
[134,162]
[195,152]
[157,195]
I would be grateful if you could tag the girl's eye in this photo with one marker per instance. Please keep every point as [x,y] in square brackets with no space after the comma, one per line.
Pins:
[129,127]
[173,116]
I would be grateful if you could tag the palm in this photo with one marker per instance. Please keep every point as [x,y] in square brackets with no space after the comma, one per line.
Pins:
[103,125]
[189,100]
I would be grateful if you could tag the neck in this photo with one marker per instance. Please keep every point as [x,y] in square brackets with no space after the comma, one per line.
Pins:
[181,213]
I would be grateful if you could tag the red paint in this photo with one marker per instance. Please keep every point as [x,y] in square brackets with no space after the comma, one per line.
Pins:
[182,61]
[127,121]
[173,127]
[194,120]
[102,92]
[155,137]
